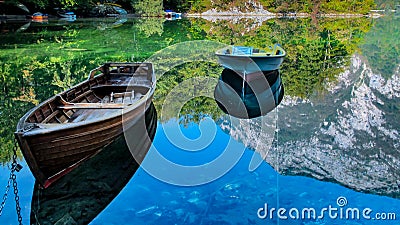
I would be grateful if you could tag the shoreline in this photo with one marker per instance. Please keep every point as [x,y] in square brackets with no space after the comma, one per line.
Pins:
[230,14]
[280,15]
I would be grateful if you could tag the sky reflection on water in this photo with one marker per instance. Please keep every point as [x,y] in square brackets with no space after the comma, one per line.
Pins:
[232,199]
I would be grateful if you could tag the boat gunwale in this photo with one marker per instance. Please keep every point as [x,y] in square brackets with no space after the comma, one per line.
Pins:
[65,126]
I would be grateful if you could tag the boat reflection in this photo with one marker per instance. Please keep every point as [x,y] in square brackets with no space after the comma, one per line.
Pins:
[260,93]
[66,20]
[110,23]
[78,197]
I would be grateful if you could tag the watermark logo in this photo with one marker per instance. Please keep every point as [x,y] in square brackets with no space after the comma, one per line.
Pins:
[341,201]
[330,212]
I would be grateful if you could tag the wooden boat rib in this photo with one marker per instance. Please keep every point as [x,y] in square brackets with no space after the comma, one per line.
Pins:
[72,126]
[250,60]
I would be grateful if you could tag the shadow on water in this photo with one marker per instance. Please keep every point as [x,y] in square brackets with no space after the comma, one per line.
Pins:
[78,197]
[260,93]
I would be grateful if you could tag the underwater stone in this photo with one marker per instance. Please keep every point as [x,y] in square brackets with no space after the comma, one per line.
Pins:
[66,220]
[147,211]
[179,213]
[193,200]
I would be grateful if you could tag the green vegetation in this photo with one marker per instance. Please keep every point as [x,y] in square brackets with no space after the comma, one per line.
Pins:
[200,106]
[83,7]
[46,59]
[382,46]
[281,6]
[148,7]
[37,5]
[386,4]
[317,52]
[154,8]
[284,6]
[355,6]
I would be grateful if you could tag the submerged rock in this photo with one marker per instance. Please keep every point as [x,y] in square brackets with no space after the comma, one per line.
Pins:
[229,195]
[66,220]
[151,210]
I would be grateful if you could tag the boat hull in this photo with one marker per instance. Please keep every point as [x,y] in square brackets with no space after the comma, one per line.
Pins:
[105,179]
[247,60]
[54,154]
[249,64]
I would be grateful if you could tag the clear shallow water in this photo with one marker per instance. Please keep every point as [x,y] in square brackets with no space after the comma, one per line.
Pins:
[232,199]
[235,197]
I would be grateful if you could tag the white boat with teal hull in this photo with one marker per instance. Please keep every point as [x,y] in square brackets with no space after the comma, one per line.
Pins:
[248,60]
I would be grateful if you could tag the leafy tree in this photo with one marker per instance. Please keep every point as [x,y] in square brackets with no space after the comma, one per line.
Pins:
[198,107]
[150,26]
[351,6]
[148,7]
[200,5]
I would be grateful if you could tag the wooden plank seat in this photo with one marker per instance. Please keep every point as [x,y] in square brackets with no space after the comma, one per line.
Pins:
[114,101]
[111,87]
[97,105]
[121,86]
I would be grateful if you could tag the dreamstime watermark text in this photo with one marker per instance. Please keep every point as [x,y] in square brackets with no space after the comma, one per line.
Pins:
[338,211]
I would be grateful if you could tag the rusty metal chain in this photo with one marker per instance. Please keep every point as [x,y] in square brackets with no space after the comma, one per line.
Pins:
[3,203]
[15,167]
[17,206]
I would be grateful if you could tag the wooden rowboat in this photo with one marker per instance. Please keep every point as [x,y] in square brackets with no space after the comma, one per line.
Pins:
[251,60]
[63,131]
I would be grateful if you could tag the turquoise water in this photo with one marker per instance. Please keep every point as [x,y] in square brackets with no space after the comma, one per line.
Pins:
[234,198]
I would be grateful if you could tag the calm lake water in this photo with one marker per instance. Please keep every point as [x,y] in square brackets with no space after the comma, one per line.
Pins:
[330,147]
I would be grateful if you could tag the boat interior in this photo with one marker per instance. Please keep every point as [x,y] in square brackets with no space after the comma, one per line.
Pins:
[276,50]
[115,87]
